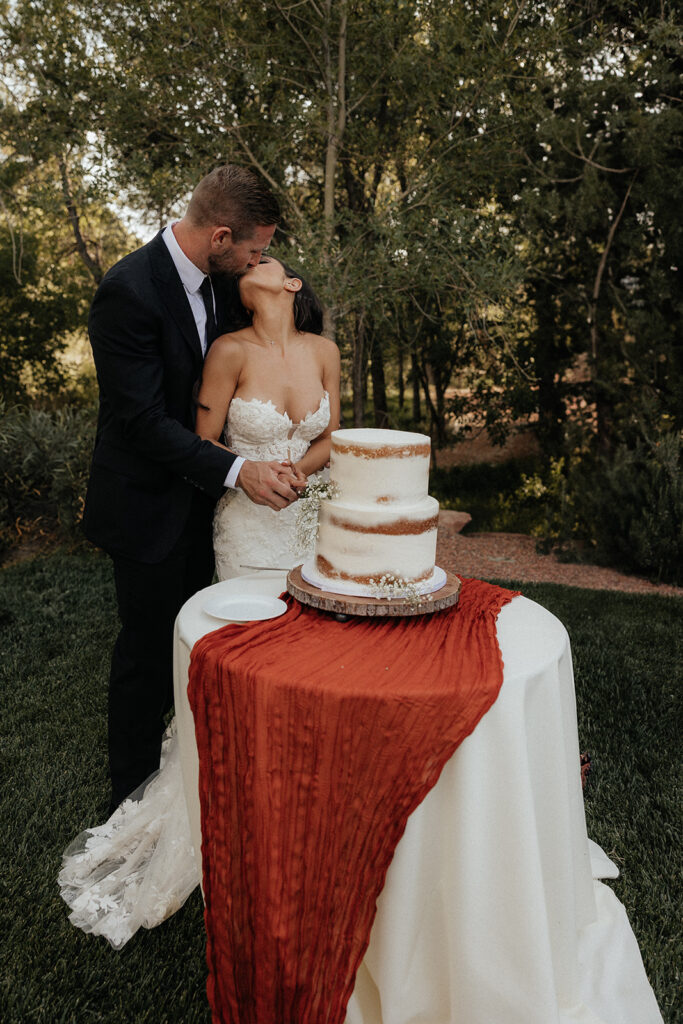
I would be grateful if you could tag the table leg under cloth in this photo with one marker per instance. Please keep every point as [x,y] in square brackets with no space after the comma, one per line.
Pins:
[489,913]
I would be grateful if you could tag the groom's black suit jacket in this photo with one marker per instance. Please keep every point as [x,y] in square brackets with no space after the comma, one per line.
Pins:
[147,461]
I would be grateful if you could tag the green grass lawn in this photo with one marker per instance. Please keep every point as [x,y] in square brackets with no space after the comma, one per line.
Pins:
[58,622]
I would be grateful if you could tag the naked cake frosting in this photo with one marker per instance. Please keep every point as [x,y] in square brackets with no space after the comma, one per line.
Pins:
[381,522]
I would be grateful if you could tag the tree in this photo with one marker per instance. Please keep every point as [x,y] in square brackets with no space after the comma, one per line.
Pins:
[481,190]
[346,109]
[49,111]
[45,288]
[596,203]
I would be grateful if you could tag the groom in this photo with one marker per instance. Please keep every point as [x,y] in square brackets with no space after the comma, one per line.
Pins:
[153,482]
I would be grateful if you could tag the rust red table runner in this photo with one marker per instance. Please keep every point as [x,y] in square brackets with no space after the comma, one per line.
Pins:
[317,739]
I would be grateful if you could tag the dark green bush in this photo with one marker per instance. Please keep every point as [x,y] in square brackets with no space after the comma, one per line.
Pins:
[44,462]
[630,507]
[507,497]
[625,511]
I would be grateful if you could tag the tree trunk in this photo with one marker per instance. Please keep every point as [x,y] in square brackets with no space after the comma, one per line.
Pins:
[604,410]
[439,408]
[379,390]
[17,243]
[415,382]
[433,416]
[603,404]
[400,379]
[358,372]
[547,354]
[336,123]
[93,265]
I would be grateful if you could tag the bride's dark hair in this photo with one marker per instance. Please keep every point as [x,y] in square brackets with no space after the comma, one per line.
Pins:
[308,310]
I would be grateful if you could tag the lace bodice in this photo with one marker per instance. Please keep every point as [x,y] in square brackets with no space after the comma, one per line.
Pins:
[258,431]
[247,535]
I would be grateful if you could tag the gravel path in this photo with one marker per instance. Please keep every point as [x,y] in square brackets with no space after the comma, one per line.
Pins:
[513,556]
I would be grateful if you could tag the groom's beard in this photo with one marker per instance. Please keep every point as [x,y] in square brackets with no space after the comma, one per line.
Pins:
[228,265]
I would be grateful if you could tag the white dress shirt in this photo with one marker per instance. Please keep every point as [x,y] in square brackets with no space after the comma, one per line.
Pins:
[192,277]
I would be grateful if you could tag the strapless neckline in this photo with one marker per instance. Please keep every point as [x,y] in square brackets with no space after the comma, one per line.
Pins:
[269,404]
[257,430]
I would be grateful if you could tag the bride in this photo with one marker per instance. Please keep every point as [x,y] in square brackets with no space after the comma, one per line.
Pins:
[270,392]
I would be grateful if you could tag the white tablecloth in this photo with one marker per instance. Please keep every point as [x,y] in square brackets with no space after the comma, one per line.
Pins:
[491,912]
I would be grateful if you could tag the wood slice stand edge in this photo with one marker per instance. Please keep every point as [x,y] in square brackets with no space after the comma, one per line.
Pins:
[345,604]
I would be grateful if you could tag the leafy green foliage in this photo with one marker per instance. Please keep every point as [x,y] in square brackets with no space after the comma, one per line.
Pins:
[57,234]
[44,465]
[604,287]
[33,321]
[631,507]
[498,496]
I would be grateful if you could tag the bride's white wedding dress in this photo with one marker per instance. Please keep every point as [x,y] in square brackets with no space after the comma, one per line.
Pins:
[248,536]
[138,868]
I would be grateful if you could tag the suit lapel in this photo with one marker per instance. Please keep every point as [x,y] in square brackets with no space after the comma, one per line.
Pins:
[173,294]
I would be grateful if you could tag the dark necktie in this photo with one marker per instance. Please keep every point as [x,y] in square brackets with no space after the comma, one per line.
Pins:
[207,297]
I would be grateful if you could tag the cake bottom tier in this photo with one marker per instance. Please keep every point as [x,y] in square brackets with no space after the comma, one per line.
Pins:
[359,544]
[434,583]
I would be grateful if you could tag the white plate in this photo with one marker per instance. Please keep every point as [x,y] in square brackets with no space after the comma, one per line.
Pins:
[243,607]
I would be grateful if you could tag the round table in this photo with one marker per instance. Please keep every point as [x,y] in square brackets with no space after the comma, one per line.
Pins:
[491,912]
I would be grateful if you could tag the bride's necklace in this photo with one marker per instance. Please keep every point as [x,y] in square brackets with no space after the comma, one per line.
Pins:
[264,337]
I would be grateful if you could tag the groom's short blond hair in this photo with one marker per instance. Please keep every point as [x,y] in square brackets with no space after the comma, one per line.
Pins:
[234,197]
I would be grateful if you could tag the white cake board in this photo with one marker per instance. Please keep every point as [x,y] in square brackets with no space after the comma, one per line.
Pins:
[311,575]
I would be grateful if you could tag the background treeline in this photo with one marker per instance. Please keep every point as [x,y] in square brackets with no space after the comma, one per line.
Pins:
[486,195]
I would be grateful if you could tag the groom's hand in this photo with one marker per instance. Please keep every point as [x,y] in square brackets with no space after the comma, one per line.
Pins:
[291,473]
[266,484]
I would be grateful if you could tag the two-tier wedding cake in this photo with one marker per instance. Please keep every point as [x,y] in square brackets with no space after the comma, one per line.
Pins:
[380,522]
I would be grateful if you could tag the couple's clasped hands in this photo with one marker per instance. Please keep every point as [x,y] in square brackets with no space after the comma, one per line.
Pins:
[275,484]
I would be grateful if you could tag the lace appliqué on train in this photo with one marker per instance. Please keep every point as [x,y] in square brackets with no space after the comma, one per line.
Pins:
[139,867]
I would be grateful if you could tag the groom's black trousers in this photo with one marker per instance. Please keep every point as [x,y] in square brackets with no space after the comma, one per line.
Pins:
[141,680]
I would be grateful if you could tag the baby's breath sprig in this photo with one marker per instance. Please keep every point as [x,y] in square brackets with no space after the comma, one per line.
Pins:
[306,527]
[394,588]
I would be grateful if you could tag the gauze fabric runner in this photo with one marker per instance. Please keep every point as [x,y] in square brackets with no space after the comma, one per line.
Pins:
[316,741]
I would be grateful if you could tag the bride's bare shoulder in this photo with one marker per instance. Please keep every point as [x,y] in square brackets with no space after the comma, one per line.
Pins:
[228,348]
[330,352]
[324,346]
[233,339]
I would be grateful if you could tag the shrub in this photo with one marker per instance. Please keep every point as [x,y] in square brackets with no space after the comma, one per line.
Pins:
[542,499]
[631,507]
[44,462]
[494,494]
[625,511]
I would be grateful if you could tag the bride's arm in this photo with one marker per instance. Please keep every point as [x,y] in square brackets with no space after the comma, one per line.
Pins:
[318,455]
[265,483]
[222,369]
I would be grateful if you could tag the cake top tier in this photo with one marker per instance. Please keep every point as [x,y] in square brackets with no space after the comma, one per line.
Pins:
[379,467]
[370,443]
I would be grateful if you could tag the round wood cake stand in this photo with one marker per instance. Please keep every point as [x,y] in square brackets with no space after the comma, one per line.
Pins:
[345,604]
